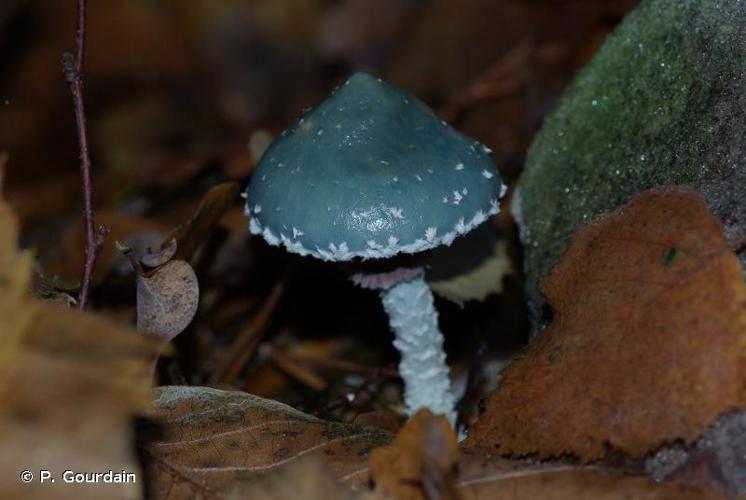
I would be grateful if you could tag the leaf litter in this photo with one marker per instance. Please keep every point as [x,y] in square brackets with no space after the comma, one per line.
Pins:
[167,299]
[192,234]
[420,463]
[208,440]
[157,152]
[424,462]
[168,296]
[647,343]
[66,397]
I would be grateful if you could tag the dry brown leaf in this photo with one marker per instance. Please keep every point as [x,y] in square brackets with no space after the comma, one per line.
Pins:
[304,479]
[191,235]
[718,457]
[648,341]
[68,399]
[69,387]
[156,259]
[501,479]
[167,299]
[384,419]
[208,440]
[9,253]
[420,463]
[14,321]
[15,273]
[15,266]
[8,226]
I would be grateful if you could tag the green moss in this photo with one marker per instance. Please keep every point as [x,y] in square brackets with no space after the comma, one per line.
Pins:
[663,102]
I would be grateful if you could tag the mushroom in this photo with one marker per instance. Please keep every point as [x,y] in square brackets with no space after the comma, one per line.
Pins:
[371,173]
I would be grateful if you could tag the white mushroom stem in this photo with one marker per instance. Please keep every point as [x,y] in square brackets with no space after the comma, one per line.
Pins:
[414,320]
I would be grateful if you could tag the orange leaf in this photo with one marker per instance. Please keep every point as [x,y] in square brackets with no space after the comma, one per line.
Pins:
[501,479]
[648,341]
[421,461]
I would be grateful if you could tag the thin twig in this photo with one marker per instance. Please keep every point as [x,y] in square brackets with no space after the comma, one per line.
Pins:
[247,340]
[73,68]
[296,370]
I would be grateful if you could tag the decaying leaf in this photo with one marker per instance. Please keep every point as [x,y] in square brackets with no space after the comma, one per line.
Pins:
[15,273]
[208,440]
[718,456]
[69,387]
[14,319]
[167,299]
[155,259]
[647,344]
[68,400]
[192,234]
[15,270]
[500,479]
[420,463]
[70,384]
[8,226]
[306,479]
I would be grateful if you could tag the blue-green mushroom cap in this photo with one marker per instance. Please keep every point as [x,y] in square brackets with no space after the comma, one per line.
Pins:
[370,172]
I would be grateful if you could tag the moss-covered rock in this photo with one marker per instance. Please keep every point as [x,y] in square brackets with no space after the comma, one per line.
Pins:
[663,102]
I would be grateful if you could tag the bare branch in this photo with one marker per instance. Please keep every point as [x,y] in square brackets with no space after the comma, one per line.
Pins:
[73,68]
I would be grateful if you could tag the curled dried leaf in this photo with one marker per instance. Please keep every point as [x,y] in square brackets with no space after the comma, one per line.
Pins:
[167,299]
[156,259]
[191,235]
[500,479]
